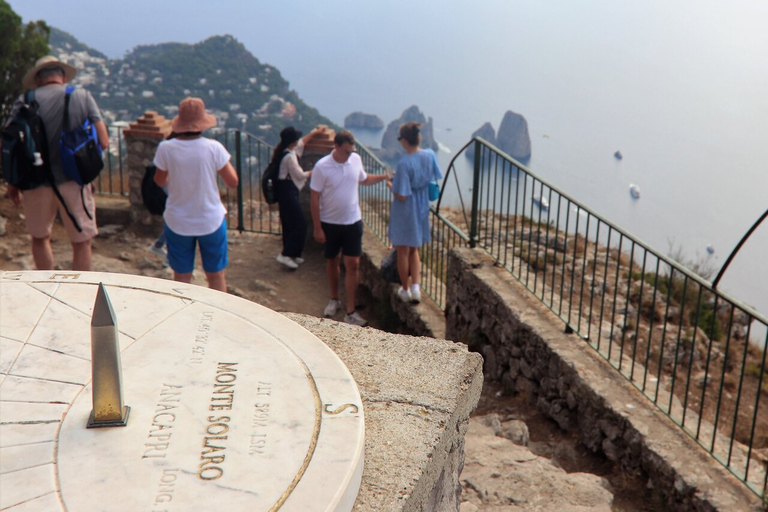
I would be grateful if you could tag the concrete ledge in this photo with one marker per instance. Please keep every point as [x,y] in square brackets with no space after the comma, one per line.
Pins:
[526,349]
[417,395]
[112,210]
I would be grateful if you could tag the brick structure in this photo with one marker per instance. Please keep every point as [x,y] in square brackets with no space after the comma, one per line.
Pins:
[141,140]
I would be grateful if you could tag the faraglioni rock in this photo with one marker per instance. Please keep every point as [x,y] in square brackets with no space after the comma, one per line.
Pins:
[485,132]
[362,120]
[513,137]
[391,150]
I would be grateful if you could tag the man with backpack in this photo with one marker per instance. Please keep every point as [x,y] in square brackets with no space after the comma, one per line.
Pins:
[43,200]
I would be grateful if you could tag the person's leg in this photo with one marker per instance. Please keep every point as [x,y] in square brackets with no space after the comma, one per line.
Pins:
[160,241]
[40,207]
[217,280]
[414,264]
[42,253]
[182,278]
[213,252]
[351,266]
[332,268]
[181,255]
[82,205]
[352,249]
[82,255]
[283,207]
[403,260]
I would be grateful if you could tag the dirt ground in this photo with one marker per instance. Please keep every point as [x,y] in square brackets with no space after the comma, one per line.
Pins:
[254,274]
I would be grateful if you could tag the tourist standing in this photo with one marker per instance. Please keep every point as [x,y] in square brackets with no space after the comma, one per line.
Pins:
[291,179]
[409,214]
[337,218]
[41,204]
[190,165]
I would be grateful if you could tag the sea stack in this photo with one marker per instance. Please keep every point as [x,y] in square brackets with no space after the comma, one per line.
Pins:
[513,137]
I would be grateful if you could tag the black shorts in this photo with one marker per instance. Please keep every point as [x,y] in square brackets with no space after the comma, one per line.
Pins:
[347,237]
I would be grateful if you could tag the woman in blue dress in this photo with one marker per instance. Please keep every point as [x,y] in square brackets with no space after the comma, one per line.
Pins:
[409,215]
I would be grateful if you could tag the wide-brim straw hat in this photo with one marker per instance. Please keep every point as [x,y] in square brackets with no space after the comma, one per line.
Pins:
[49,61]
[192,117]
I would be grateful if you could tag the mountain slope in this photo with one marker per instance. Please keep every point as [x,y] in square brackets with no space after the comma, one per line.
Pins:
[241,91]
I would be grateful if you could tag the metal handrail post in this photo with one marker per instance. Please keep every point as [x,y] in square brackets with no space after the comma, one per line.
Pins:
[738,246]
[475,197]
[239,168]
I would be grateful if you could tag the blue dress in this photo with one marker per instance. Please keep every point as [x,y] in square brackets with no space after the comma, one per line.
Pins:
[409,219]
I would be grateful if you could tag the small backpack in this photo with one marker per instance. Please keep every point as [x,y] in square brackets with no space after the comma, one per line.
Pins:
[80,148]
[25,147]
[269,179]
[152,194]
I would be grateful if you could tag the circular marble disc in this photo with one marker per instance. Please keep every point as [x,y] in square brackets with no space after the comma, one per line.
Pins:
[231,404]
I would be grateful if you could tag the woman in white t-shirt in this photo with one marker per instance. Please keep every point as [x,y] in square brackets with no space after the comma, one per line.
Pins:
[190,165]
[290,180]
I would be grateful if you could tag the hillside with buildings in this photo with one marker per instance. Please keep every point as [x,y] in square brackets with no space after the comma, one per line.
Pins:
[237,88]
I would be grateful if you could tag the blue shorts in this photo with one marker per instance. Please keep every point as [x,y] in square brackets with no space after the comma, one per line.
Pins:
[213,250]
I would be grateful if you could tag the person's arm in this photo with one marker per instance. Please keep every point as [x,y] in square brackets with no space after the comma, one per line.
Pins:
[373,179]
[102,133]
[161,177]
[319,234]
[229,175]
[294,169]
[315,131]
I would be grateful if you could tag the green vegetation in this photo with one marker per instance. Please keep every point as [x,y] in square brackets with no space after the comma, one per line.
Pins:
[21,46]
[240,90]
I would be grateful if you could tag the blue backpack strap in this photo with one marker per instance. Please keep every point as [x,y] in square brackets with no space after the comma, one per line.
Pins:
[67,94]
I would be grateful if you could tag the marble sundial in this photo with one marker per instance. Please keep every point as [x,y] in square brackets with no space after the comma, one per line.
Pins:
[232,406]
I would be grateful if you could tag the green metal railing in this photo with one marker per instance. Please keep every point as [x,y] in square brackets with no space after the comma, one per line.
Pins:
[246,209]
[112,180]
[678,340]
[681,342]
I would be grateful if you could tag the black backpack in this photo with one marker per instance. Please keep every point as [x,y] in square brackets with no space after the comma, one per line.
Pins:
[152,194]
[25,147]
[269,179]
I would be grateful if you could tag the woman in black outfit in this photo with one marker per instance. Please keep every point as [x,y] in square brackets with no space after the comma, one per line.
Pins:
[290,180]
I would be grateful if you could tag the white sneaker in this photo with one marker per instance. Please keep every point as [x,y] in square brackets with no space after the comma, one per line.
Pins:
[158,251]
[288,262]
[332,308]
[298,261]
[355,319]
[403,295]
[415,293]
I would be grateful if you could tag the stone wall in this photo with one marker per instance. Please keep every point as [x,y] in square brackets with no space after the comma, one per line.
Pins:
[525,348]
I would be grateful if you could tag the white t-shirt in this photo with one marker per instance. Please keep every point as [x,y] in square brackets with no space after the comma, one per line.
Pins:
[290,165]
[338,187]
[193,207]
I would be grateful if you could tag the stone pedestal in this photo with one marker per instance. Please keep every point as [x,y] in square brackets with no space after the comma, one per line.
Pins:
[141,141]
[231,404]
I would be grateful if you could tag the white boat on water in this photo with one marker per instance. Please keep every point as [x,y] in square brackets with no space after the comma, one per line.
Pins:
[541,202]
[634,190]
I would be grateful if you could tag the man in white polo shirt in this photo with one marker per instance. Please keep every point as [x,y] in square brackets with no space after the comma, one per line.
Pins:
[337,219]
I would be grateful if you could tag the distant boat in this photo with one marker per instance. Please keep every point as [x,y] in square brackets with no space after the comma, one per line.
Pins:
[618,156]
[541,202]
[711,249]
[634,190]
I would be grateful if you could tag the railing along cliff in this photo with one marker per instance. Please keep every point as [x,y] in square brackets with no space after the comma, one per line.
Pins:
[684,344]
[681,342]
